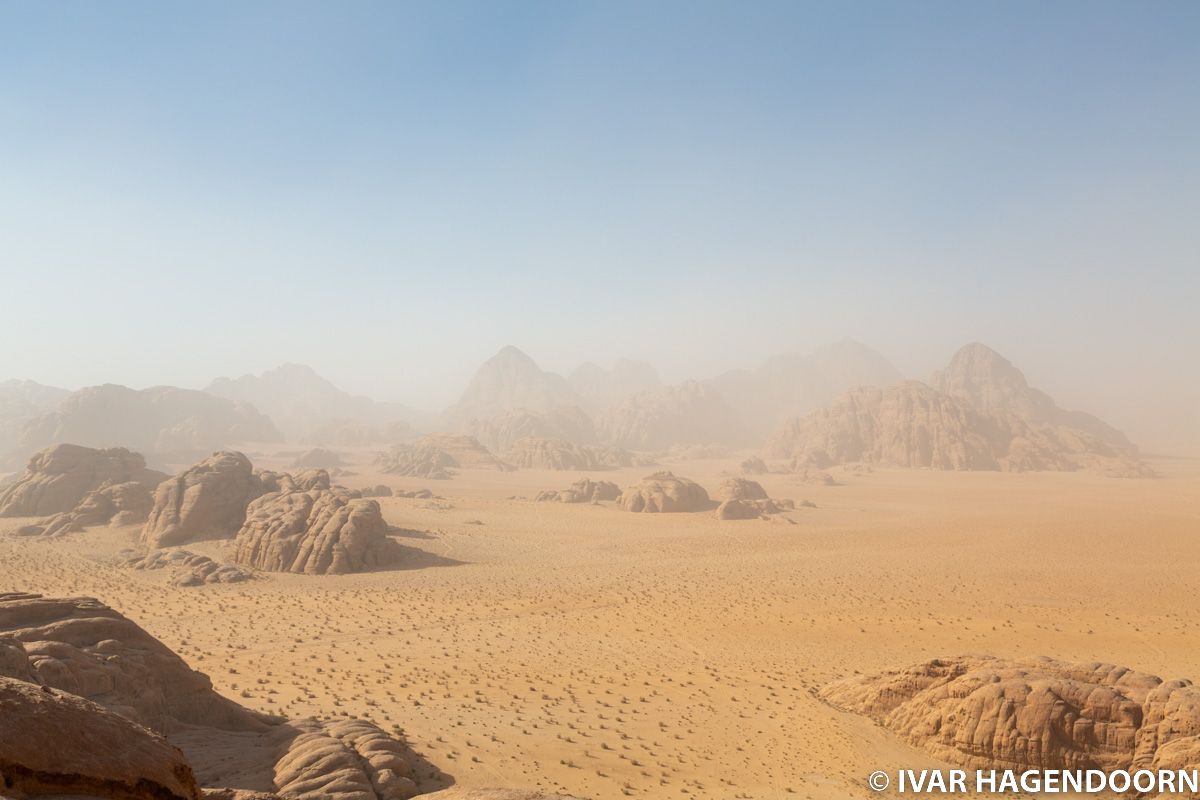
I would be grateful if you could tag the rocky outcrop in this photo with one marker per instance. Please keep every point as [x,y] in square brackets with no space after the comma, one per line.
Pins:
[318,531]
[206,501]
[583,491]
[188,569]
[536,453]
[1037,713]
[112,504]
[80,647]
[663,492]
[980,414]
[53,742]
[906,425]
[690,413]
[165,421]
[59,478]
[746,499]
[437,455]
[740,489]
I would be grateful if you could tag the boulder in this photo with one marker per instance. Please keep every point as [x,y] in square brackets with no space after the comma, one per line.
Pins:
[316,532]
[664,492]
[583,491]
[740,489]
[189,569]
[1035,713]
[206,501]
[53,742]
[59,478]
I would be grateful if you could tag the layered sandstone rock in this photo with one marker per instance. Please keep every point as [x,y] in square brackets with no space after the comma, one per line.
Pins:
[112,504]
[54,742]
[330,530]
[189,569]
[347,759]
[746,499]
[59,478]
[905,425]
[583,491]
[664,492]
[740,489]
[1037,713]
[206,501]
[536,453]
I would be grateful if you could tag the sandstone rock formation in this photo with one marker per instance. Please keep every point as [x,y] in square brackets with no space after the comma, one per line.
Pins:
[983,415]
[317,531]
[54,742]
[690,413]
[81,647]
[754,465]
[379,490]
[206,501]
[740,489]
[171,423]
[664,492]
[537,453]
[745,499]
[112,504]
[436,455]
[308,408]
[501,432]
[508,381]
[58,479]
[583,491]
[905,425]
[190,569]
[1037,713]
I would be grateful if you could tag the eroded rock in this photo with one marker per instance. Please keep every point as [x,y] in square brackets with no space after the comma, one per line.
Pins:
[664,492]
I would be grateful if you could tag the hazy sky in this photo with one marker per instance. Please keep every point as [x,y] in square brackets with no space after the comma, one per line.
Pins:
[391,192]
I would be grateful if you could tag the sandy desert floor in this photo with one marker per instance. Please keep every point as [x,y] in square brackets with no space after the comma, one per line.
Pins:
[607,654]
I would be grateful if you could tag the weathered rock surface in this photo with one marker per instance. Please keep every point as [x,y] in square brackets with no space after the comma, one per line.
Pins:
[537,453]
[112,504]
[189,569]
[583,491]
[206,501]
[172,423]
[84,648]
[329,530]
[740,489]
[501,432]
[58,479]
[1037,713]
[53,742]
[437,455]
[905,425]
[746,499]
[663,492]
[689,413]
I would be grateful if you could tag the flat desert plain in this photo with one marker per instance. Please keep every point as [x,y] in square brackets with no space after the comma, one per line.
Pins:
[607,654]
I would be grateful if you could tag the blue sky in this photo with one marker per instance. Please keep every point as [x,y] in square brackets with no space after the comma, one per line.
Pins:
[390,192]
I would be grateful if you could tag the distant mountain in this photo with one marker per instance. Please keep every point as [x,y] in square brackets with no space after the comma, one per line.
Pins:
[599,388]
[21,401]
[689,413]
[509,381]
[308,408]
[791,384]
[499,433]
[980,413]
[164,421]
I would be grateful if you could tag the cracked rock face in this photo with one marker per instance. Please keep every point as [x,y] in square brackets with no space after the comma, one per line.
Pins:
[663,492]
[316,532]
[1037,713]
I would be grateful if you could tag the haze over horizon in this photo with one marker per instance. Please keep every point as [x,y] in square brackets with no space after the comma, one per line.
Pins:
[389,194]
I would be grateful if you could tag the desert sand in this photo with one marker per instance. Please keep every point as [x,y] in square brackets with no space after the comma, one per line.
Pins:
[582,649]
